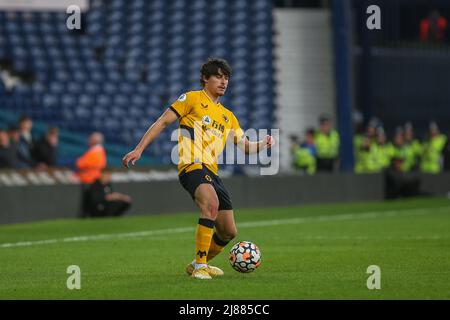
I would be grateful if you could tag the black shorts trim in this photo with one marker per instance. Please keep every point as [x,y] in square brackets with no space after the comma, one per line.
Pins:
[192,179]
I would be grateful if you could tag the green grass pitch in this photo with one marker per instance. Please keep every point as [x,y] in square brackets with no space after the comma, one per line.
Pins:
[308,252]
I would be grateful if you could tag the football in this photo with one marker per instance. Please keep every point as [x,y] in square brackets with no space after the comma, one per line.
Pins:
[245,257]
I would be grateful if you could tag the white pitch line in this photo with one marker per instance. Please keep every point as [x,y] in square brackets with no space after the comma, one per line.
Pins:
[252,224]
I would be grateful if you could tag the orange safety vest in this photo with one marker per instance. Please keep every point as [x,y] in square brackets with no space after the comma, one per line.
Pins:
[91,164]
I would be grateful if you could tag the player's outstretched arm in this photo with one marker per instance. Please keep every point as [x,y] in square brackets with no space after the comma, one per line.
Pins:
[254,147]
[167,118]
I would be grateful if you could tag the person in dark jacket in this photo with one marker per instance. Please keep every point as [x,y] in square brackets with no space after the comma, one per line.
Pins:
[401,184]
[25,147]
[7,154]
[45,148]
[446,154]
[14,140]
[102,201]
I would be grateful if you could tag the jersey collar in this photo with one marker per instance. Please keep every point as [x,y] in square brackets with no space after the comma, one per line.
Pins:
[216,104]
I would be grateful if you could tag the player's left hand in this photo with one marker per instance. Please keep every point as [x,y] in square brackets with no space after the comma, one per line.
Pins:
[132,157]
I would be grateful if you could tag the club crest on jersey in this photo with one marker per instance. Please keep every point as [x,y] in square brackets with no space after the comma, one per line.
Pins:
[206,120]
[182,97]
[207,177]
[225,118]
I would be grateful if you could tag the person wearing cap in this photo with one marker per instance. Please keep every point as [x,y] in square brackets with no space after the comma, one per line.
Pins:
[432,150]
[327,142]
[414,148]
[383,149]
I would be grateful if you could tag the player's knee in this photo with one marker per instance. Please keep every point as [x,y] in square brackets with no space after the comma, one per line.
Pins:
[210,209]
[213,207]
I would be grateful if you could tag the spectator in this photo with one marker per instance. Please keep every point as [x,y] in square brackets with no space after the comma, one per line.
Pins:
[25,147]
[45,149]
[7,155]
[433,149]
[401,184]
[446,154]
[305,155]
[433,27]
[294,146]
[399,148]
[413,148]
[14,141]
[93,161]
[327,143]
[383,150]
[102,201]
[366,157]
[370,132]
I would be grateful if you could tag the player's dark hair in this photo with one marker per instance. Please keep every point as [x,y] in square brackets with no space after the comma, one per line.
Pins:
[212,67]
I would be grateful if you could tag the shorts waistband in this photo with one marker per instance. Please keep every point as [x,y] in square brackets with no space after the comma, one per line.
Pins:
[204,167]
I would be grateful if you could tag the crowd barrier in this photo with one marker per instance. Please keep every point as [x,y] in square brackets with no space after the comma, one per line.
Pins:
[34,196]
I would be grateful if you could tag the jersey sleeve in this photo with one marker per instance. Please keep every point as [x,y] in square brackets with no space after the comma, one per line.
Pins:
[237,130]
[183,105]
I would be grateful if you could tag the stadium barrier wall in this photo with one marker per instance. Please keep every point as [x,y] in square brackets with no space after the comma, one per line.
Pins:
[22,202]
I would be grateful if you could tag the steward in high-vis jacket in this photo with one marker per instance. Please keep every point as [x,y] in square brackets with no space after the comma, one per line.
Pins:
[305,154]
[432,151]
[383,150]
[327,142]
[414,149]
[366,158]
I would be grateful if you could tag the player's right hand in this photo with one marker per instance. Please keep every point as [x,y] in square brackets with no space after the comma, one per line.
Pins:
[132,157]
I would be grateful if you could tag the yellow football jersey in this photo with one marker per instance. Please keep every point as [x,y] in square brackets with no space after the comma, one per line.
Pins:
[203,130]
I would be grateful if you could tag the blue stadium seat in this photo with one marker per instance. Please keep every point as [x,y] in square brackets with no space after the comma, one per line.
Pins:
[50,101]
[68,101]
[104,101]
